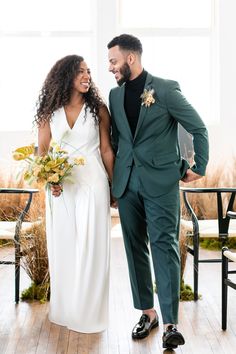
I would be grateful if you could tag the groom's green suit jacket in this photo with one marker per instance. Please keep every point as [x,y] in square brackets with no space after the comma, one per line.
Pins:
[154,149]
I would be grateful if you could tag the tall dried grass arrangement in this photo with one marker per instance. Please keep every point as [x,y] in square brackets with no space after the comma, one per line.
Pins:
[35,261]
[186,292]
[33,246]
[33,243]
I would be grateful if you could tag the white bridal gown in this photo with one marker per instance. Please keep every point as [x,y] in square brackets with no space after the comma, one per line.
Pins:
[78,231]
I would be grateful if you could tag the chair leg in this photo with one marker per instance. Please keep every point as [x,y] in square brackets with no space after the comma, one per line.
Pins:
[17,284]
[224,291]
[17,272]
[195,265]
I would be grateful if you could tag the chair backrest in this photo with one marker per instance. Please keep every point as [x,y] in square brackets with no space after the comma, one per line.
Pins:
[11,230]
[223,220]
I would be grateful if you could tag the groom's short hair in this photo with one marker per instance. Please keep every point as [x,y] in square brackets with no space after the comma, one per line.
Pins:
[126,42]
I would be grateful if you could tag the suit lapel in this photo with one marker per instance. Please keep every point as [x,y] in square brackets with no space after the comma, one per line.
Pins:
[122,110]
[143,109]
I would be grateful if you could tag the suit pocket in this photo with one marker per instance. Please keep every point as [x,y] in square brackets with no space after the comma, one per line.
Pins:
[165,158]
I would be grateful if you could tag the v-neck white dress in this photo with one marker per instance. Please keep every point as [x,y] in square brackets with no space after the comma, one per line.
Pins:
[78,231]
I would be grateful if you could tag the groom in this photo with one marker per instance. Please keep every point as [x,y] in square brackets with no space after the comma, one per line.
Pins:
[145,112]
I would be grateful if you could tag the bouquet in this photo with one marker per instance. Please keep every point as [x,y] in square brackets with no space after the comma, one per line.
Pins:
[52,168]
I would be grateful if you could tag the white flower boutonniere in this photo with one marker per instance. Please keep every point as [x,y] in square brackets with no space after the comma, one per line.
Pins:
[147,97]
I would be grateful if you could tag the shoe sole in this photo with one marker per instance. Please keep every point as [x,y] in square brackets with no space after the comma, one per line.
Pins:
[147,334]
[173,342]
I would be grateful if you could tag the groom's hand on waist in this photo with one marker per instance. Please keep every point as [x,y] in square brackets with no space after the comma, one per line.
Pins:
[190,176]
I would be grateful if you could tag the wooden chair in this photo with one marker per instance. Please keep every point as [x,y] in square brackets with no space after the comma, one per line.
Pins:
[221,227]
[227,256]
[10,230]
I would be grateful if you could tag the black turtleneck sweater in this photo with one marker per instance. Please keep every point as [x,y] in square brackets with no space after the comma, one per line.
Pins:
[132,102]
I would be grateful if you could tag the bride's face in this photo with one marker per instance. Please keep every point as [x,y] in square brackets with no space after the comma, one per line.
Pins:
[83,79]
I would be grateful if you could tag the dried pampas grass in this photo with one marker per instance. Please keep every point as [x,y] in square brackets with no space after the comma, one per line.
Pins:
[33,245]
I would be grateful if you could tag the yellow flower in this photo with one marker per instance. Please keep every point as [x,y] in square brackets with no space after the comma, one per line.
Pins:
[36,170]
[79,161]
[41,182]
[27,175]
[38,159]
[147,97]
[52,164]
[60,150]
[54,178]
[53,143]
[18,156]
[57,148]
[23,152]
[61,173]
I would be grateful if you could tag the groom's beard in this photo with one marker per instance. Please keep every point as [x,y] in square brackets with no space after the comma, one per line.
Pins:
[126,73]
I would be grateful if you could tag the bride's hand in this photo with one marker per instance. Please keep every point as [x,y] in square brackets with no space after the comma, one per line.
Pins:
[113,201]
[114,204]
[56,190]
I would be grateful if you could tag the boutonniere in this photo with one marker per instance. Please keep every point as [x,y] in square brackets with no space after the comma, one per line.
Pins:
[147,97]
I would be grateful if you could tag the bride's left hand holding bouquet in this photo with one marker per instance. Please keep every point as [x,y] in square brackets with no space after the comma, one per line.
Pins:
[49,169]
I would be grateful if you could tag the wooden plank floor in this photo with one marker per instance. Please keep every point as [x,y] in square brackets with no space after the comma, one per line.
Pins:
[25,329]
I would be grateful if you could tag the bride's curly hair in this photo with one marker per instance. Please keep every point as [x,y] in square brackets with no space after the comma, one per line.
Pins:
[57,89]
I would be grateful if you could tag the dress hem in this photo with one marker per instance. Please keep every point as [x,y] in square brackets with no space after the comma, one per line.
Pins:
[102,329]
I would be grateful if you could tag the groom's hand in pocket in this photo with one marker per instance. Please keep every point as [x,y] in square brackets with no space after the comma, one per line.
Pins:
[190,176]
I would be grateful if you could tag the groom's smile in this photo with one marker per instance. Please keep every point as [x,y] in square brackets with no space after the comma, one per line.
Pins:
[118,65]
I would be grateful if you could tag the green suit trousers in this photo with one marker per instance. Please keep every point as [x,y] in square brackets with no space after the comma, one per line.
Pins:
[152,223]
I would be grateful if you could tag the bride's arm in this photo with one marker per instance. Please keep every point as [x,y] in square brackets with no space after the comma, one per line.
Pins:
[105,141]
[44,138]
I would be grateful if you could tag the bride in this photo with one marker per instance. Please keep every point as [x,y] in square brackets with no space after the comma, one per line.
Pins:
[70,111]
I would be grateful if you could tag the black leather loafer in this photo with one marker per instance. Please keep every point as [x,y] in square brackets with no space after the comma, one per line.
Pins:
[144,327]
[172,338]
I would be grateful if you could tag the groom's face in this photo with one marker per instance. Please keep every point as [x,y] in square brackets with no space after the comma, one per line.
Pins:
[118,65]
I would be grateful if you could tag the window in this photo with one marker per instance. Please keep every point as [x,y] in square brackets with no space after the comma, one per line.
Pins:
[178,42]
[165,13]
[45,15]
[31,42]
[28,60]
[183,59]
